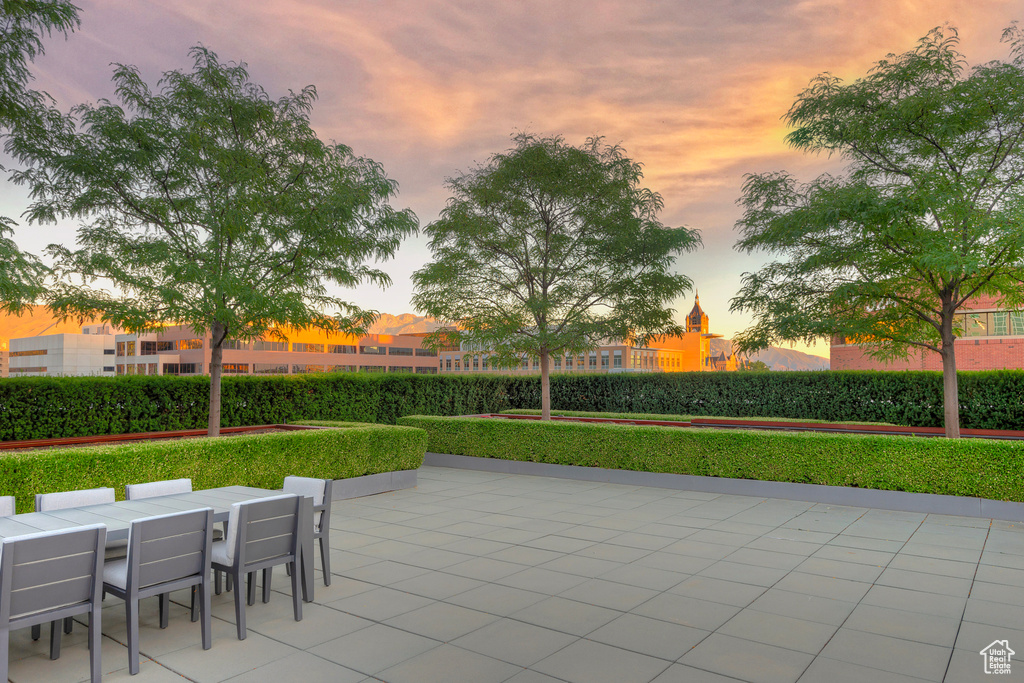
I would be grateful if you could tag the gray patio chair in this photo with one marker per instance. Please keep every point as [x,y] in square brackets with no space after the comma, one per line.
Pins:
[165,553]
[62,500]
[320,490]
[262,534]
[50,576]
[6,506]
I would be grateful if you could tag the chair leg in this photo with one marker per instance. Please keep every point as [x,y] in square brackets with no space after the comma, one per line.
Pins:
[250,580]
[55,639]
[267,574]
[195,606]
[165,608]
[95,644]
[69,624]
[131,612]
[296,592]
[325,558]
[5,652]
[239,607]
[37,630]
[207,625]
[228,582]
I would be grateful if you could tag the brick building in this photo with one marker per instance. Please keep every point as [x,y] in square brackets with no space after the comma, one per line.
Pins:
[993,339]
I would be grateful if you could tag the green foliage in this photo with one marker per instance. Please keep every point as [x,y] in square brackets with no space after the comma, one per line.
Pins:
[23,24]
[209,205]
[971,467]
[261,460]
[929,214]
[661,418]
[54,407]
[551,249]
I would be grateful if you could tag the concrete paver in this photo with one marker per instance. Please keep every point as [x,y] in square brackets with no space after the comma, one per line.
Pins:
[478,577]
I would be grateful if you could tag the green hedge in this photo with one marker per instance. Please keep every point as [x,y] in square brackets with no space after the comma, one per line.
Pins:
[646,416]
[54,407]
[261,460]
[963,467]
[74,406]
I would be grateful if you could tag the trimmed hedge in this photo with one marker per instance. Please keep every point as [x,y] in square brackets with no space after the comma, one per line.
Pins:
[959,467]
[261,460]
[41,407]
[646,416]
[55,407]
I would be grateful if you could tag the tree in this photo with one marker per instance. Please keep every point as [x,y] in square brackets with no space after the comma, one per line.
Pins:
[753,366]
[23,24]
[929,213]
[549,249]
[212,205]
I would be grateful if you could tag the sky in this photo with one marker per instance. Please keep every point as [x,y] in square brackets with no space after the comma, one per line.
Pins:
[694,90]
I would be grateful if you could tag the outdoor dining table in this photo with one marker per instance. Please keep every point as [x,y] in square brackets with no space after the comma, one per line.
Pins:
[119,516]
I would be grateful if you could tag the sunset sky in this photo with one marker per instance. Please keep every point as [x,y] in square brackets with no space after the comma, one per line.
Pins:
[692,89]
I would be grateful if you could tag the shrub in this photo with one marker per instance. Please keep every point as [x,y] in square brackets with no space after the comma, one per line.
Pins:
[960,467]
[261,460]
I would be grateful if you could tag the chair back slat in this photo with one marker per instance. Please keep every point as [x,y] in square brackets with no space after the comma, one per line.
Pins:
[157,488]
[268,548]
[51,570]
[72,591]
[169,546]
[73,499]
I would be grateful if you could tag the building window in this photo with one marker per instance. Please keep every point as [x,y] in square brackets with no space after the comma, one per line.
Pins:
[120,368]
[120,348]
[187,344]
[308,348]
[426,352]
[399,368]
[303,369]
[263,345]
[593,360]
[269,368]
[448,363]
[235,368]
[373,350]
[108,352]
[341,348]
[342,368]
[483,363]
[604,360]
[526,362]
[426,371]
[476,363]
[233,345]
[400,351]
[33,352]
[372,368]
[152,368]
[150,348]
[36,369]
[568,362]
[180,368]
[558,362]
[108,368]
[617,359]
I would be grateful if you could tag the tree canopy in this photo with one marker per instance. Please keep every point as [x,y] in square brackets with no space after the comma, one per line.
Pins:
[550,248]
[23,26]
[929,213]
[209,204]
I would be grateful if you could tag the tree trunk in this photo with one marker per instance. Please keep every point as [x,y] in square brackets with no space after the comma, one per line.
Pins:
[545,387]
[216,365]
[950,389]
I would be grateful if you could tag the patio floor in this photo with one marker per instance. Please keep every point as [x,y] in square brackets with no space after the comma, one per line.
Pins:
[482,577]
